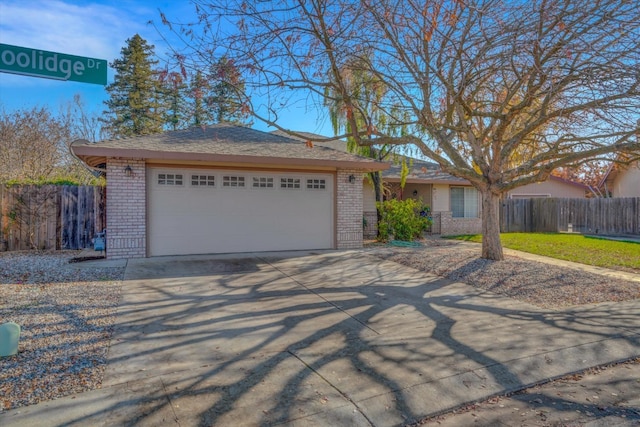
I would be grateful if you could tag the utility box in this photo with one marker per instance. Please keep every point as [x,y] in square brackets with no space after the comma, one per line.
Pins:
[9,337]
[99,242]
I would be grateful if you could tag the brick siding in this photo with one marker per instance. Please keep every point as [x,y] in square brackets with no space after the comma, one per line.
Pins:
[371,230]
[349,209]
[450,226]
[126,209]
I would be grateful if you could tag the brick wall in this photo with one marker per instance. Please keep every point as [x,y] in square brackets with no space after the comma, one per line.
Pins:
[371,230]
[349,206]
[442,223]
[450,226]
[126,209]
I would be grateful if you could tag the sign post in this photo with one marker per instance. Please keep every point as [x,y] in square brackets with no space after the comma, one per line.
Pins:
[52,65]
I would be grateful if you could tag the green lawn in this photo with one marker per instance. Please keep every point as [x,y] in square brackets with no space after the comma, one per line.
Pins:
[572,247]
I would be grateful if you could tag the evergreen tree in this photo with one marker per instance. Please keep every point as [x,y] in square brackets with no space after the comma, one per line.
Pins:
[218,96]
[199,90]
[136,104]
[174,90]
[226,99]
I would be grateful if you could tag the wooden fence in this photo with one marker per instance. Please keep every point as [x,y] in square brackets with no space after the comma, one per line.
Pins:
[615,216]
[50,216]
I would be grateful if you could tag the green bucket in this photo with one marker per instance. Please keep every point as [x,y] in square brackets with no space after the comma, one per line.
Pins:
[9,337]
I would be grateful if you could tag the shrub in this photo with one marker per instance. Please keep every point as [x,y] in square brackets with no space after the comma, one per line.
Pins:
[402,219]
[62,180]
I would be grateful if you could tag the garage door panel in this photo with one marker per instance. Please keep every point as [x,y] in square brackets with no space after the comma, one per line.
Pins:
[190,220]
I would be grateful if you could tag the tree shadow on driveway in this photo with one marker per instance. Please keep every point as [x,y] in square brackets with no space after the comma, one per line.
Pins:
[333,339]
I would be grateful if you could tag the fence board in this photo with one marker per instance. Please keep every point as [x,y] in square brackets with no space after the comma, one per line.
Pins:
[50,222]
[50,217]
[616,216]
[69,218]
[24,217]
[86,224]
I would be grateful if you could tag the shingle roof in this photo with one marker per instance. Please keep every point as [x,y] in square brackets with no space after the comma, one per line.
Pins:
[420,171]
[320,140]
[569,182]
[221,142]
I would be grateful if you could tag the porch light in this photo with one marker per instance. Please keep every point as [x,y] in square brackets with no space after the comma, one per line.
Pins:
[415,193]
[128,172]
[352,178]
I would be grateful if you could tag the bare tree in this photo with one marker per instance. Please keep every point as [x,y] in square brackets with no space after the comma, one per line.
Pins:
[82,123]
[500,93]
[32,144]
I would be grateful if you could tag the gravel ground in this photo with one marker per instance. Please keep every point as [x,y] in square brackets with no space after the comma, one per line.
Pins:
[66,314]
[541,284]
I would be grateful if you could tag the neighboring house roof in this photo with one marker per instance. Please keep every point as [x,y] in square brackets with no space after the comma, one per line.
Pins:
[615,170]
[569,182]
[221,143]
[607,181]
[420,171]
[611,175]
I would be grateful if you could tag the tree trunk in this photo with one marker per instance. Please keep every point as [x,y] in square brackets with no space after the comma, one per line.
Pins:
[491,245]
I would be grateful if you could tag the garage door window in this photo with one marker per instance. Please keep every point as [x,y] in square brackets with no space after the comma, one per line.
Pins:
[232,181]
[203,180]
[290,183]
[262,182]
[316,184]
[169,179]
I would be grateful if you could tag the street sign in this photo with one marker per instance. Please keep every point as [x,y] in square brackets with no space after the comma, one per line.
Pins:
[52,65]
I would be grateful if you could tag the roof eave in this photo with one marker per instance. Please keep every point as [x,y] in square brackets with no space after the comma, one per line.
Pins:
[450,181]
[569,182]
[94,156]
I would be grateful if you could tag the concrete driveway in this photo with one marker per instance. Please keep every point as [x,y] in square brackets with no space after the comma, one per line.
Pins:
[331,338]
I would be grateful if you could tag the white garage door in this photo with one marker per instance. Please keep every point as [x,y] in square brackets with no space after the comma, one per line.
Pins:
[192,211]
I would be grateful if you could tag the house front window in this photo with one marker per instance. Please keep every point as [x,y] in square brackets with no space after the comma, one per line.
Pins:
[464,202]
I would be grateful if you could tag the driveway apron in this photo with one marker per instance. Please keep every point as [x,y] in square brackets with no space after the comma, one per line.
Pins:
[330,338]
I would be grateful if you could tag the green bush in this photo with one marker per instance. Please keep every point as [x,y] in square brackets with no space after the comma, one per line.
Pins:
[97,181]
[402,220]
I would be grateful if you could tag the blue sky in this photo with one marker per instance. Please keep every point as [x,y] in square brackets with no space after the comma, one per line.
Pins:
[96,29]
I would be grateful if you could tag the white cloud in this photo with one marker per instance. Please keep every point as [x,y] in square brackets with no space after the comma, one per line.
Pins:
[90,29]
[94,28]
